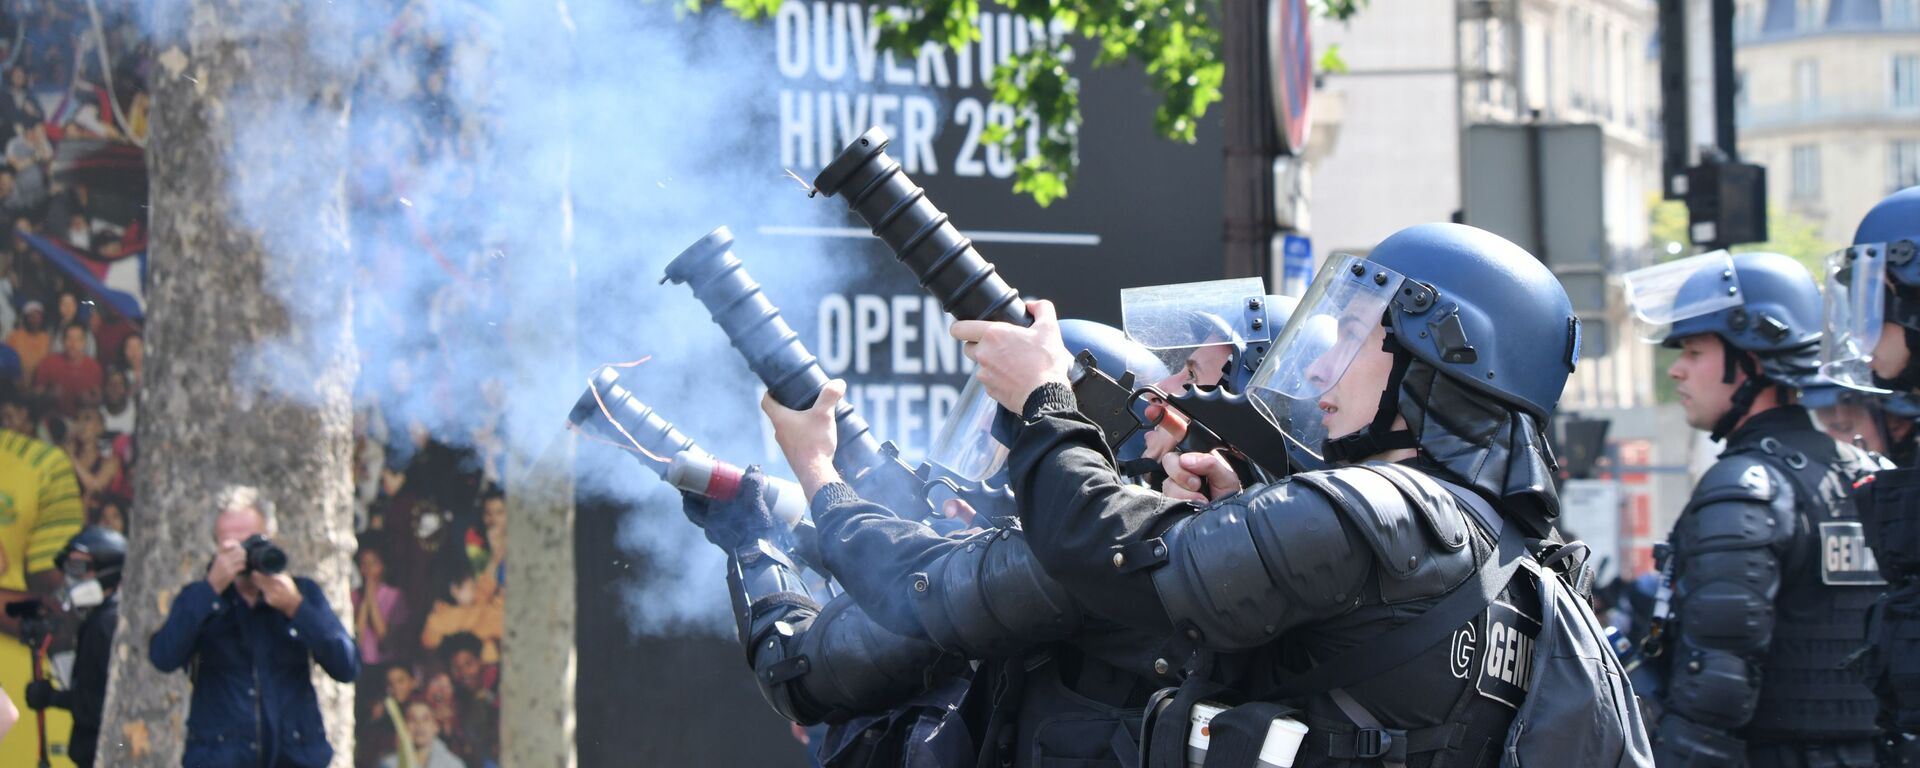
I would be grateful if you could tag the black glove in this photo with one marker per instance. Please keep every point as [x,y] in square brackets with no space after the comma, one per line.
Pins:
[731,524]
[39,694]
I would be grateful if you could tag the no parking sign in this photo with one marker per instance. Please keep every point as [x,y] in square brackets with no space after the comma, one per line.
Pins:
[1290,49]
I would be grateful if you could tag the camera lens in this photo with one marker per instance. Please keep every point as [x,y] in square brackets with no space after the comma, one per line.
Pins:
[264,556]
[271,560]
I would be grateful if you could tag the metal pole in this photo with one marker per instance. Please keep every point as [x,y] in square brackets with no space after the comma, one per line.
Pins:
[1247,110]
[1724,86]
[1701,120]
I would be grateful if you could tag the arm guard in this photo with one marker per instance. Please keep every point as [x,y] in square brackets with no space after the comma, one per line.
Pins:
[978,597]
[1077,511]
[989,597]
[1725,580]
[814,664]
[1251,567]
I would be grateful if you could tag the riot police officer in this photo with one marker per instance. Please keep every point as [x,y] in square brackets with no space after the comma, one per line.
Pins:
[91,563]
[1873,343]
[1769,577]
[888,662]
[1879,422]
[1375,603]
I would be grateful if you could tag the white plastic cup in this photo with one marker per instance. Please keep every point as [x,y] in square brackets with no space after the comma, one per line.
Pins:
[1282,747]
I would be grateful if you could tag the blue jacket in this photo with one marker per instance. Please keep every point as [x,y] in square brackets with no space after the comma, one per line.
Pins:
[253,699]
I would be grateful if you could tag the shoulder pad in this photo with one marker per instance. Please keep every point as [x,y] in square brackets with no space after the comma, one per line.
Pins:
[1419,540]
[1742,501]
[1741,477]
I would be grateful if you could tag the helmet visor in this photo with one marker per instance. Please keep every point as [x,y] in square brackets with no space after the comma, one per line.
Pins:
[1340,310]
[1184,315]
[1855,313]
[1682,289]
[966,445]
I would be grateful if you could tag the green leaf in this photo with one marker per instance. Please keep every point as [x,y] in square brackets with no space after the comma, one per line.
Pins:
[746,9]
[1330,61]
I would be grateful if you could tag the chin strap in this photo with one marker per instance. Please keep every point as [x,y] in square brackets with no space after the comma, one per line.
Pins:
[1379,436]
[1909,378]
[1744,396]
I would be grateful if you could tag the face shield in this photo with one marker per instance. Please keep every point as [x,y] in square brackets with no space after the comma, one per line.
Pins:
[1206,326]
[968,446]
[1856,304]
[1664,296]
[1342,307]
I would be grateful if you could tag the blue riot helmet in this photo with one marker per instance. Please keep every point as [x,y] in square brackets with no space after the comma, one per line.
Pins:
[1216,333]
[968,445]
[1764,307]
[1221,326]
[1483,339]
[1870,284]
[105,549]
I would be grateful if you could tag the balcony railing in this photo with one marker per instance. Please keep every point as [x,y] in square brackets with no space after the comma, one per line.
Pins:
[1745,33]
[1837,110]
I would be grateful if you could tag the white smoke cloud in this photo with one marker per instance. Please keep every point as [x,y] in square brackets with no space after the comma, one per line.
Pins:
[465,138]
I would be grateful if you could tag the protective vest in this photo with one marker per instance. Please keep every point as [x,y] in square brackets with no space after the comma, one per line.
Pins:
[1829,580]
[1432,663]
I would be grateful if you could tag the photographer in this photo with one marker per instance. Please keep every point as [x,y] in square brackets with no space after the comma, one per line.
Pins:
[91,562]
[249,631]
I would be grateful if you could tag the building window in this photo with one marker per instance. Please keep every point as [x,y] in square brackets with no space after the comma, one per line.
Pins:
[1806,84]
[1902,13]
[1903,164]
[1806,171]
[1906,82]
[1806,15]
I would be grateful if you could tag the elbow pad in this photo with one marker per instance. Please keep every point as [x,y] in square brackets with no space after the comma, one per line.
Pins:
[814,664]
[990,598]
[846,664]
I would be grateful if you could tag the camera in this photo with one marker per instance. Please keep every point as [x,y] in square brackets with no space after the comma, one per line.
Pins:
[264,556]
[35,623]
[26,609]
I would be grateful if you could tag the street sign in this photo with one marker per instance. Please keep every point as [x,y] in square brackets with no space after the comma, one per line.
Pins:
[1290,51]
[1590,511]
[1296,265]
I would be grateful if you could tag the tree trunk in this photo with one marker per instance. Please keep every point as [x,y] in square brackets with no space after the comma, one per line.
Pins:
[537,720]
[250,366]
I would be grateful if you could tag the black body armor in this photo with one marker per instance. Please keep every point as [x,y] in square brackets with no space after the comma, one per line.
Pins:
[1771,587]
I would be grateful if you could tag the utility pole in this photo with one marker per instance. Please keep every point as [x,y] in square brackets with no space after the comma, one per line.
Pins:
[1726,199]
[1250,140]
[1269,84]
